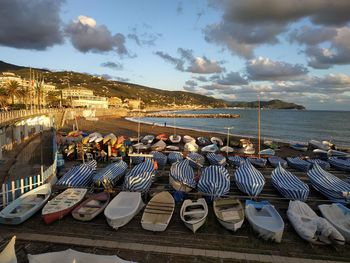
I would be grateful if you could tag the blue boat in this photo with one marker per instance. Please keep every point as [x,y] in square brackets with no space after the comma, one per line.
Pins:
[216,159]
[329,185]
[324,165]
[161,158]
[182,176]
[137,159]
[257,162]
[289,185]
[340,164]
[140,178]
[196,159]
[249,180]
[299,164]
[111,174]
[174,157]
[275,160]
[214,181]
[299,146]
[236,161]
[78,176]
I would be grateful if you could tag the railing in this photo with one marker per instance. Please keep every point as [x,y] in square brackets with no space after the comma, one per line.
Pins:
[17,114]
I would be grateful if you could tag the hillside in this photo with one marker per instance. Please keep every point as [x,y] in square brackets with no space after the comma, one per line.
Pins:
[271,104]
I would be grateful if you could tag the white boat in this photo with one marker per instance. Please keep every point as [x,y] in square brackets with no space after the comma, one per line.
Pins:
[96,137]
[299,146]
[148,139]
[217,141]
[324,145]
[25,206]
[73,256]
[212,148]
[175,138]
[110,138]
[335,153]
[339,216]
[158,212]
[158,146]
[172,148]
[123,208]
[269,152]
[227,149]
[191,147]
[249,149]
[229,212]
[187,139]
[8,254]
[141,146]
[194,213]
[310,226]
[265,220]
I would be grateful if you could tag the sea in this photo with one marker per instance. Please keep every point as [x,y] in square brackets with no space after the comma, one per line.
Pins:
[279,125]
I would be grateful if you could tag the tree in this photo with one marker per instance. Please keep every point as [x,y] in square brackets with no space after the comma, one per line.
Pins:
[4,96]
[14,90]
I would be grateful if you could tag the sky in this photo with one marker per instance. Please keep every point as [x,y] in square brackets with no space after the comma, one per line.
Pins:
[294,50]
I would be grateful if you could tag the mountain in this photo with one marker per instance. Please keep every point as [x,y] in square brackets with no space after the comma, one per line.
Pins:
[271,104]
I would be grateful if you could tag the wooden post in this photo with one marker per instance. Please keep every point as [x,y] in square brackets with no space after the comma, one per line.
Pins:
[30,183]
[13,190]
[4,203]
[22,186]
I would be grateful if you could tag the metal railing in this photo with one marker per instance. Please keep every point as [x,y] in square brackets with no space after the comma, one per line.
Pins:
[18,114]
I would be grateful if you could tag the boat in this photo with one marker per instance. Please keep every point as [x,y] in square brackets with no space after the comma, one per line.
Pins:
[214,182]
[196,160]
[79,175]
[310,226]
[123,208]
[62,204]
[135,138]
[299,164]
[188,138]
[202,141]
[321,154]
[244,142]
[257,162]
[158,146]
[25,206]
[340,164]
[299,146]
[236,160]
[140,178]
[324,145]
[191,147]
[174,157]
[148,139]
[175,138]
[217,141]
[96,137]
[160,158]
[290,186]
[140,146]
[265,220]
[158,212]
[110,138]
[339,216]
[73,256]
[226,149]
[269,152]
[194,213]
[211,148]
[172,148]
[249,180]
[271,144]
[229,212]
[137,159]
[335,153]
[8,254]
[162,136]
[329,185]
[324,165]
[249,149]
[181,176]
[275,160]
[91,207]
[111,174]
[216,159]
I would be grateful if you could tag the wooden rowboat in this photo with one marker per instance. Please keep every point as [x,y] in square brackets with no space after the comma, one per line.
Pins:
[91,207]
[229,212]
[194,213]
[8,254]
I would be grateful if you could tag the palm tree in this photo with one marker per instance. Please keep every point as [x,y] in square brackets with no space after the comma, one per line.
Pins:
[13,88]
[3,97]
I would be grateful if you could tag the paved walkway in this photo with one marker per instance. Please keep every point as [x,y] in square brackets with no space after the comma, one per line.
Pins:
[183,251]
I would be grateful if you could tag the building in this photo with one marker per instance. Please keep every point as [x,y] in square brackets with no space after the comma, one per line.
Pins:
[134,104]
[115,102]
[83,98]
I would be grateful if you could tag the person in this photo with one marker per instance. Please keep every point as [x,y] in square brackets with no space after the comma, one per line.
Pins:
[164,124]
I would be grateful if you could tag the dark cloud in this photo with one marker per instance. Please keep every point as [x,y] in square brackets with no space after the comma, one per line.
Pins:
[191,83]
[30,24]
[190,88]
[266,69]
[107,76]
[232,79]
[122,79]
[145,38]
[168,58]
[311,35]
[86,36]
[200,78]
[112,65]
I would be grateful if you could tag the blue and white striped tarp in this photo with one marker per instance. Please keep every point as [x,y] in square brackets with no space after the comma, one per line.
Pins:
[329,185]
[323,164]
[92,164]
[140,178]
[236,161]
[249,180]
[197,159]
[289,185]
[216,159]
[275,160]
[340,164]
[137,159]
[183,173]
[112,173]
[214,181]
[299,164]
[175,157]
[78,176]
[258,162]
[161,158]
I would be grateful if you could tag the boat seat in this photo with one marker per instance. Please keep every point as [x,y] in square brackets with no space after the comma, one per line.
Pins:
[193,212]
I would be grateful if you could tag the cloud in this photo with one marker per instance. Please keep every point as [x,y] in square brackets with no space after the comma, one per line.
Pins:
[200,78]
[87,36]
[122,79]
[189,63]
[191,83]
[312,35]
[266,69]
[179,8]
[232,79]
[30,24]
[112,65]
[145,38]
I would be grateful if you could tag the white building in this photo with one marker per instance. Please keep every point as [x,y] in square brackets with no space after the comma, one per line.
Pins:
[82,97]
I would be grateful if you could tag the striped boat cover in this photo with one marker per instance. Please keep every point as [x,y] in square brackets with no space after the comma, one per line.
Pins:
[197,158]
[92,164]
[329,185]
[249,180]
[260,162]
[340,164]
[214,181]
[140,178]
[289,185]
[323,164]
[78,176]
[299,164]
[183,173]
[174,157]
[275,160]
[216,159]
[236,161]
[137,159]
[112,173]
[160,158]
